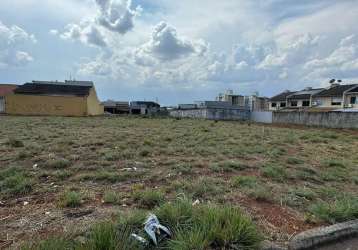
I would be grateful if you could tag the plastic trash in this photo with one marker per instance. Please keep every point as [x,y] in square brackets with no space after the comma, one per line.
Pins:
[154,229]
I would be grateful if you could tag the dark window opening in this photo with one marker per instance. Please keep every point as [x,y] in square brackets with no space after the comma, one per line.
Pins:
[282,104]
[294,104]
[274,105]
[336,103]
[353,100]
[136,111]
[306,103]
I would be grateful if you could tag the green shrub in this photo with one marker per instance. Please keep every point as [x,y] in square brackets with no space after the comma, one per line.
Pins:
[15,143]
[62,175]
[342,209]
[211,227]
[111,197]
[260,193]
[149,198]
[244,181]
[16,184]
[59,163]
[204,187]
[71,199]
[107,176]
[275,173]
[334,163]
[52,243]
[228,166]
[144,152]
[184,169]
[294,161]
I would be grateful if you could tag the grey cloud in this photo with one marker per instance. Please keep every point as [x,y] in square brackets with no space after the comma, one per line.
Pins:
[166,45]
[85,33]
[117,16]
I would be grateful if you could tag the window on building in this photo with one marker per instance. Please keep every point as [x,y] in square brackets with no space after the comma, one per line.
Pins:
[336,101]
[282,104]
[353,100]
[306,103]
[274,105]
[293,103]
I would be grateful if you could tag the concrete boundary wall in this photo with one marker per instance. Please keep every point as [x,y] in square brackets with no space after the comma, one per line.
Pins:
[320,119]
[221,114]
[261,116]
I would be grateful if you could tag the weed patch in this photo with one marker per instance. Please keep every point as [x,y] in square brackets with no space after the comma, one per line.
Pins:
[342,209]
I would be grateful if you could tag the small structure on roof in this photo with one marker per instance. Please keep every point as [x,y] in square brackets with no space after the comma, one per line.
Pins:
[5,89]
[69,98]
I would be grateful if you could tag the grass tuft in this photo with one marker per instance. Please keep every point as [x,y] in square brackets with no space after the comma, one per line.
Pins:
[71,199]
[275,173]
[15,143]
[342,209]
[149,198]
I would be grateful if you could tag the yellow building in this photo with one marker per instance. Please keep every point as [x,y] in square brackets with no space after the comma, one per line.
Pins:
[69,98]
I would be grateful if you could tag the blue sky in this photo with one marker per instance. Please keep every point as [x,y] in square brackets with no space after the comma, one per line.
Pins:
[180,51]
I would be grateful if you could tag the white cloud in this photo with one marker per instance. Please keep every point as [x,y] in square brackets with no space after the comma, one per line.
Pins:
[85,33]
[11,40]
[112,17]
[165,44]
[341,62]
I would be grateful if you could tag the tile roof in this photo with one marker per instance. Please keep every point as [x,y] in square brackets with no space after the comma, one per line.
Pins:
[335,91]
[304,94]
[67,82]
[52,89]
[281,97]
[355,90]
[7,89]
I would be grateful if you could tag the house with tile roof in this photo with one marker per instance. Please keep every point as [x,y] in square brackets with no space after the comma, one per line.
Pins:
[333,96]
[279,101]
[5,89]
[351,98]
[54,98]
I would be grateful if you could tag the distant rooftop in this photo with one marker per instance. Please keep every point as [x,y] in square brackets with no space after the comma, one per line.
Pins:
[281,97]
[304,94]
[335,90]
[53,89]
[67,82]
[7,89]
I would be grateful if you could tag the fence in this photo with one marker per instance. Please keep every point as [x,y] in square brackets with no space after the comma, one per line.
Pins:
[320,119]
[261,116]
[212,113]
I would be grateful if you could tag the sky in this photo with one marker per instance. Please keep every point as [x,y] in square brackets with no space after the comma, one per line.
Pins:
[180,51]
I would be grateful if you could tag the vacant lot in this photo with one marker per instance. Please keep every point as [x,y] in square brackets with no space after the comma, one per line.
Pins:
[59,176]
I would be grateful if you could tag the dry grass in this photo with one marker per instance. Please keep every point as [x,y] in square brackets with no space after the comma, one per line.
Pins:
[224,162]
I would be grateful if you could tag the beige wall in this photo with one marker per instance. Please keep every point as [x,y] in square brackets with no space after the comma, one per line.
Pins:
[94,106]
[326,102]
[17,104]
[348,100]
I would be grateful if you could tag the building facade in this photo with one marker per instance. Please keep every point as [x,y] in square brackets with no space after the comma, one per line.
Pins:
[55,98]
[332,97]
[279,101]
[351,98]
[302,99]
